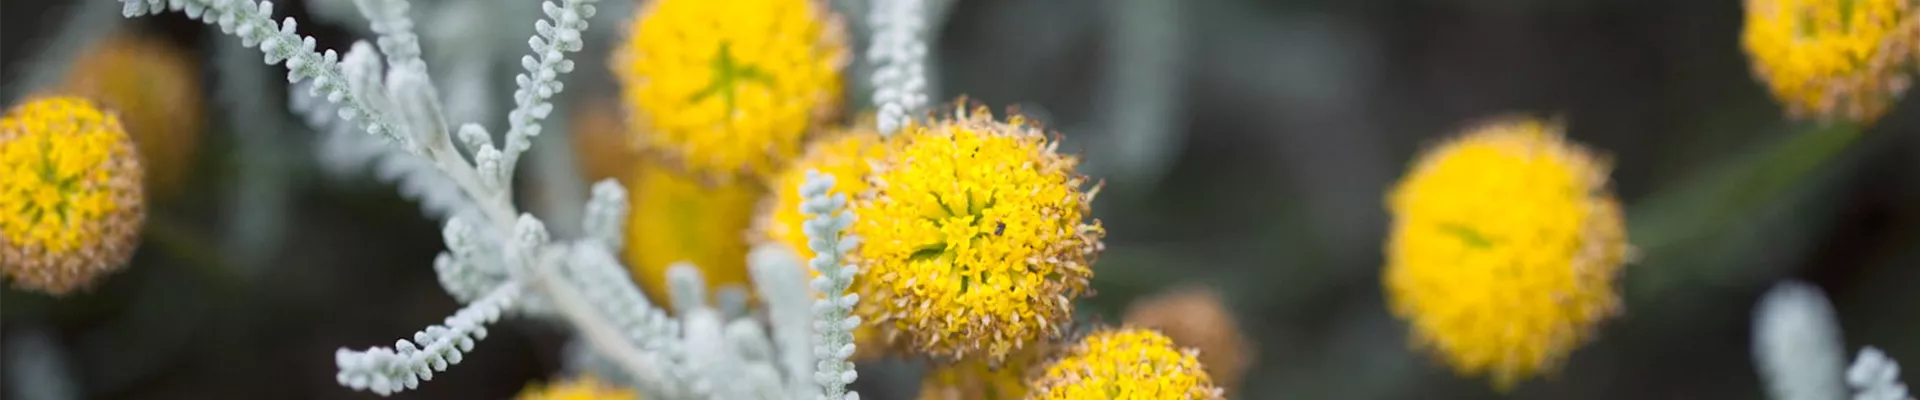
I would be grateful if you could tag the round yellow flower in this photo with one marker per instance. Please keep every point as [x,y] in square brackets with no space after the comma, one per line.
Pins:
[1832,59]
[583,388]
[1504,249]
[73,201]
[1126,364]
[677,218]
[974,237]
[979,380]
[731,86]
[155,89]
[1197,317]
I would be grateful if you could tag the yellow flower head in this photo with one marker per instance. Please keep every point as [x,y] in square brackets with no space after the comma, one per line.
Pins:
[583,388]
[974,237]
[1831,59]
[1504,248]
[155,89]
[677,218]
[1198,317]
[979,380]
[1126,364]
[731,86]
[72,201]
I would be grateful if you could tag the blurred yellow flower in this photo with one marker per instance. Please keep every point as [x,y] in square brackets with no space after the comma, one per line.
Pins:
[599,137]
[154,87]
[975,238]
[1125,364]
[977,380]
[725,87]
[1832,59]
[1504,249]
[582,388]
[847,154]
[1197,317]
[73,202]
[677,218]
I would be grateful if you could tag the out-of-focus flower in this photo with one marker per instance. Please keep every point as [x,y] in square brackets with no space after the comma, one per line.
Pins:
[976,380]
[600,141]
[154,88]
[724,87]
[1197,317]
[582,388]
[1125,364]
[1504,249]
[1833,59]
[73,202]
[676,218]
[975,239]
[848,155]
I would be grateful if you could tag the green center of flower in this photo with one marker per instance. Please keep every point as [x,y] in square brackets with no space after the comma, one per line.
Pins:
[728,74]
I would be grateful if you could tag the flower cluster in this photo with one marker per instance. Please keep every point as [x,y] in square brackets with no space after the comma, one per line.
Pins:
[1504,249]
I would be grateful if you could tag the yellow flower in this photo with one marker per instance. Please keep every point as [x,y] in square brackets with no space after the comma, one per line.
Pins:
[679,218]
[1504,249]
[73,204]
[974,239]
[731,86]
[155,89]
[978,380]
[583,388]
[1197,317]
[847,155]
[1831,59]
[1125,364]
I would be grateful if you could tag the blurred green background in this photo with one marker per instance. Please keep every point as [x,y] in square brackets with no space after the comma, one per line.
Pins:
[1246,145]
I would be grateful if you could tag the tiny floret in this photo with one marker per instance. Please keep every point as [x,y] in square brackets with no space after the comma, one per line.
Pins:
[977,237]
[1832,59]
[731,87]
[1504,248]
[1125,364]
[74,203]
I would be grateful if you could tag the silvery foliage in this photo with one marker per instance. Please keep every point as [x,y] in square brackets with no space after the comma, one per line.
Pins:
[1874,376]
[499,260]
[832,314]
[1798,350]
[1796,344]
[899,54]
